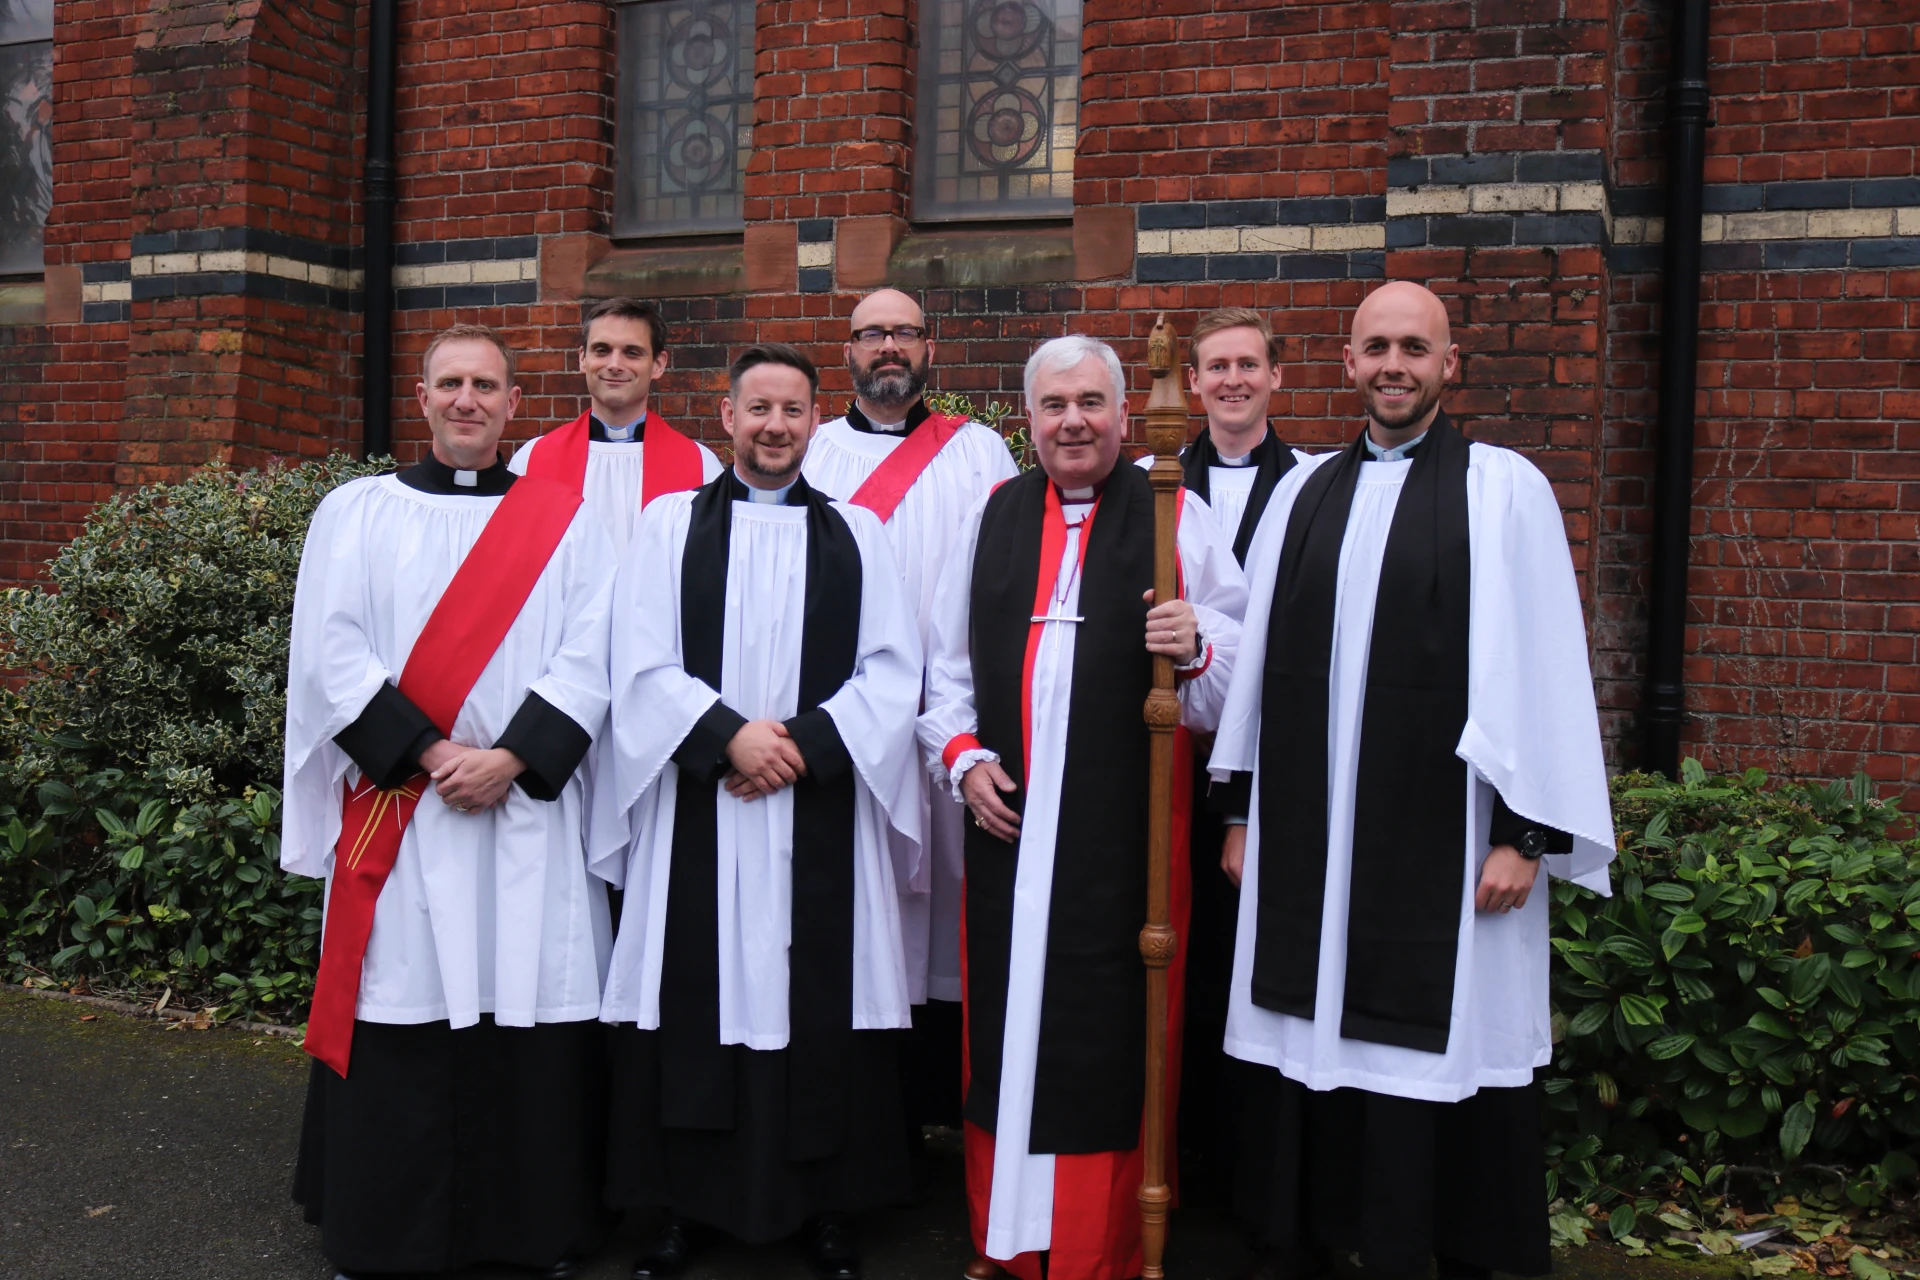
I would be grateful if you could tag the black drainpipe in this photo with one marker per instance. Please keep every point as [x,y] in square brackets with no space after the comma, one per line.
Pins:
[1663,709]
[378,200]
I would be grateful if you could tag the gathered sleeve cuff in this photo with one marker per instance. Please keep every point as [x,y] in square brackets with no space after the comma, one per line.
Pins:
[549,742]
[1231,797]
[703,752]
[1508,827]
[820,743]
[386,739]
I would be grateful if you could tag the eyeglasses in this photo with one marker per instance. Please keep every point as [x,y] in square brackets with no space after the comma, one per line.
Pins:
[904,335]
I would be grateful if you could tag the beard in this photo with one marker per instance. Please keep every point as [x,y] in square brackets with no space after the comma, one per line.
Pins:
[894,384]
[755,460]
[1397,415]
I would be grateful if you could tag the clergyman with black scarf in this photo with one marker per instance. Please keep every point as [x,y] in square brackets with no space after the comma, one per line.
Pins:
[1413,720]
[762,804]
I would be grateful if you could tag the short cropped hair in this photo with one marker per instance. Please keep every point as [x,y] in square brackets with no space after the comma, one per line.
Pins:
[625,309]
[1057,354]
[1231,318]
[471,333]
[771,353]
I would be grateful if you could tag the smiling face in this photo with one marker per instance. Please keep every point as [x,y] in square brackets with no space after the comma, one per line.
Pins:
[770,417]
[1077,421]
[1235,380]
[467,402]
[1400,357]
[620,365]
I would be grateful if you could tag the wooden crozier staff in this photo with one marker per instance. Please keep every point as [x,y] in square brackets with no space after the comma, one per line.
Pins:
[1166,431]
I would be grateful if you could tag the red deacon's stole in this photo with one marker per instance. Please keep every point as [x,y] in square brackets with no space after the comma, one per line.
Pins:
[670,464]
[459,639]
[887,486]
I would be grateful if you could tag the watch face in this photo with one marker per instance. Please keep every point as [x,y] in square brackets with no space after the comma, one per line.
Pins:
[1533,844]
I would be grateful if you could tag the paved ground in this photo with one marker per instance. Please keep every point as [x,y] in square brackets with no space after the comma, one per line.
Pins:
[129,1151]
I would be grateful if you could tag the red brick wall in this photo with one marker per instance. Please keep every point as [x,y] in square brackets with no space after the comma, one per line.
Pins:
[1804,594]
[1230,153]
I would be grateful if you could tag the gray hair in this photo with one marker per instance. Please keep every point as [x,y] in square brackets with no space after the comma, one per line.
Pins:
[1056,355]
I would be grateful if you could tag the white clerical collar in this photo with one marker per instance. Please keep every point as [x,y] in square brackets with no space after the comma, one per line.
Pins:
[1399,451]
[771,497]
[888,428]
[622,435]
[466,479]
[1240,461]
[1078,495]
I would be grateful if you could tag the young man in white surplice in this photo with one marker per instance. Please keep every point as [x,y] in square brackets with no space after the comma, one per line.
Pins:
[1413,732]
[761,806]
[923,504]
[623,353]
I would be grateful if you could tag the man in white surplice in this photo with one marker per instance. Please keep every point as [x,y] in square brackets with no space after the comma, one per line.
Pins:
[889,354]
[623,352]
[1041,650]
[1413,724]
[766,672]
[474,1040]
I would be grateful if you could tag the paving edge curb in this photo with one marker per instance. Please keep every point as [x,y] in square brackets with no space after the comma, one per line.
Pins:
[147,1011]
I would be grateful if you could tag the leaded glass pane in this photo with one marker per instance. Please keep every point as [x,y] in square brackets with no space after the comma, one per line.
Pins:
[999,108]
[685,116]
[26,152]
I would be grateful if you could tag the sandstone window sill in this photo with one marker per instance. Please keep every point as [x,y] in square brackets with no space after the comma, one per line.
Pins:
[23,302]
[984,257]
[688,271]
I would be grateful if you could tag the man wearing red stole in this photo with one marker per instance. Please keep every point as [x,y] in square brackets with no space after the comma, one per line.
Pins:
[448,668]
[919,472]
[1040,660]
[619,455]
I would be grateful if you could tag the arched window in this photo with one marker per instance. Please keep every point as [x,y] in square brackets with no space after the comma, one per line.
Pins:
[999,95]
[685,119]
[26,132]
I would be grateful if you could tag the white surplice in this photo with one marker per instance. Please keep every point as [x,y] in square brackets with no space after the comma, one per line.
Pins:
[1532,733]
[1230,488]
[1020,1217]
[656,703]
[923,532]
[612,487]
[488,912]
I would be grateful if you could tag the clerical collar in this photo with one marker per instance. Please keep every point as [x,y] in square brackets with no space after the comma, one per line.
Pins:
[861,422]
[430,475]
[768,497]
[633,433]
[1376,453]
[1244,460]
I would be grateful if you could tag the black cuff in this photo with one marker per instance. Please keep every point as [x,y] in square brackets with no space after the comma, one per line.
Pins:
[703,752]
[1232,798]
[821,746]
[549,742]
[388,737]
[1508,827]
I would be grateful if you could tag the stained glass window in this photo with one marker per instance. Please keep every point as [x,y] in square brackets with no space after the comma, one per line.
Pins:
[999,98]
[26,131]
[685,115]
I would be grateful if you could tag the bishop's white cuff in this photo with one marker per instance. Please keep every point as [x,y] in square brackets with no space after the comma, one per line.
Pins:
[963,762]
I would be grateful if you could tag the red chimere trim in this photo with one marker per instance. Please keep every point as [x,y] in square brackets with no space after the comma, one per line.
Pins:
[956,745]
[1053,545]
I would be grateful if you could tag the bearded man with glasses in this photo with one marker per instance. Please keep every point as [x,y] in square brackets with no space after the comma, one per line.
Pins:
[920,472]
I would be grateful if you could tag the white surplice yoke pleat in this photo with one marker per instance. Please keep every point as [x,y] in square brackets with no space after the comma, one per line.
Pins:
[1532,732]
[1230,488]
[488,912]
[923,531]
[1020,1216]
[656,703]
[612,487]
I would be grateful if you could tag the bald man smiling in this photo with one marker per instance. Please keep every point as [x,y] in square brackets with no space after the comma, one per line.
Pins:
[1412,720]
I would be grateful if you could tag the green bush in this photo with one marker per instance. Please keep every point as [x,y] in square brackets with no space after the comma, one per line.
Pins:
[140,755]
[160,648]
[1748,1001]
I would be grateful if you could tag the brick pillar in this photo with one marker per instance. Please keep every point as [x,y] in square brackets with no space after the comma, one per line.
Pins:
[241,176]
[1495,200]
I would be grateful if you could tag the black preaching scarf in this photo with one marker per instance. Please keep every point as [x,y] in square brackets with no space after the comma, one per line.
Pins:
[697,1084]
[1410,818]
[1271,460]
[1090,1082]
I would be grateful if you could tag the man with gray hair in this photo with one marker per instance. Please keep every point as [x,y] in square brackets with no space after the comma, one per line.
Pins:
[1040,657]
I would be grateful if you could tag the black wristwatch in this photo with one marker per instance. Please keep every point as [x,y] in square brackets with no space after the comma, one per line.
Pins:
[1532,844]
